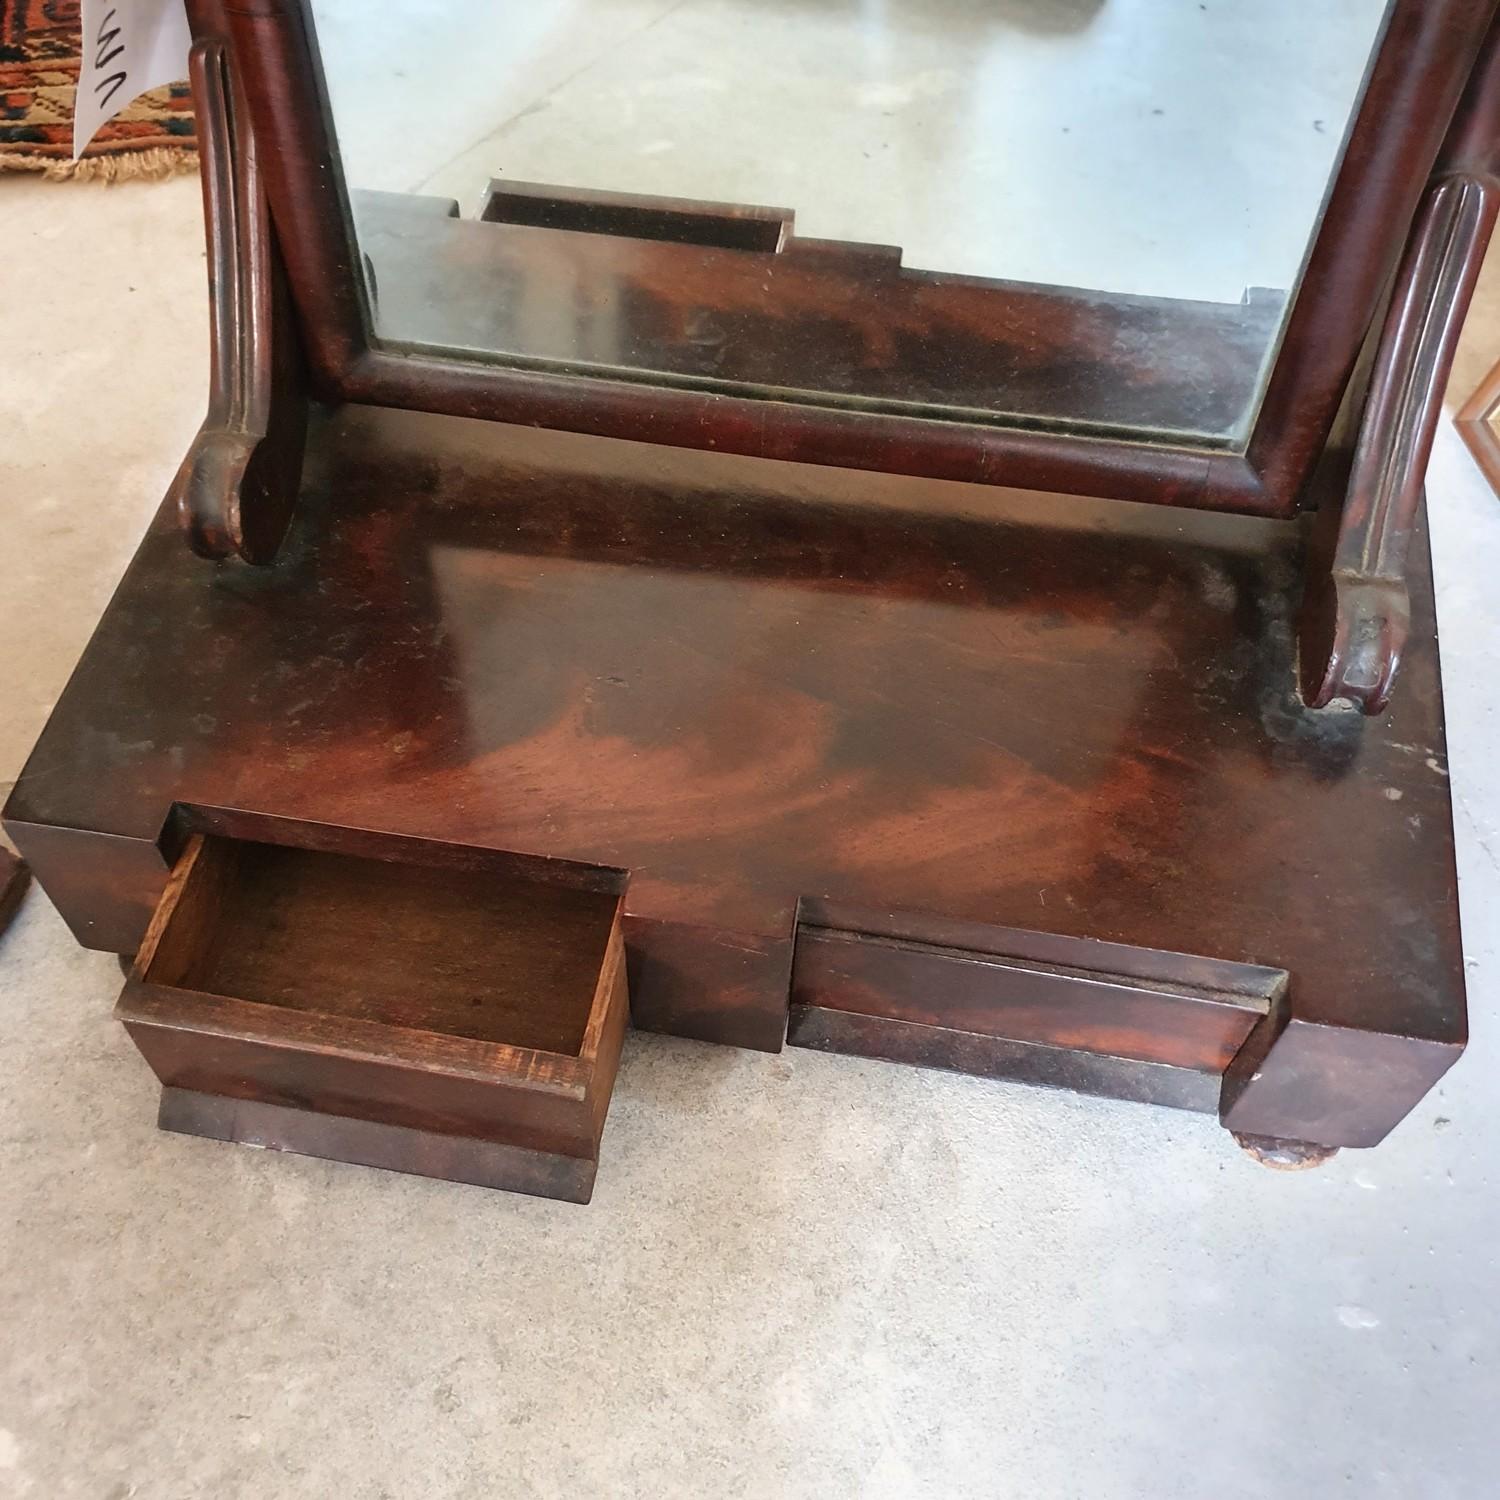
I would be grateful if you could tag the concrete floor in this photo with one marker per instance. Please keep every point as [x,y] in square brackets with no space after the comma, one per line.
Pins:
[801,1276]
[1123,145]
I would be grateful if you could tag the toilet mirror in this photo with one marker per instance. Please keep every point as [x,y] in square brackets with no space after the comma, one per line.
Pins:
[1080,216]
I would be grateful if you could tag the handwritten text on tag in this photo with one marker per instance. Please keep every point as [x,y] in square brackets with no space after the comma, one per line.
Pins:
[129,46]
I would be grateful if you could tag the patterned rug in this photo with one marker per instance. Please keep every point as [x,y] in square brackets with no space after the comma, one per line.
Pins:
[40,48]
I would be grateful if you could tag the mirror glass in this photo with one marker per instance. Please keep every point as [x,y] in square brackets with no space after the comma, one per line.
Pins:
[1077,215]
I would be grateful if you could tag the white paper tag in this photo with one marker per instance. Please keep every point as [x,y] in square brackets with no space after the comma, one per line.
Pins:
[129,46]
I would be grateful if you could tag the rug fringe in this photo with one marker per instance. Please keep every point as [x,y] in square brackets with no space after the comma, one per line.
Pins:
[126,166]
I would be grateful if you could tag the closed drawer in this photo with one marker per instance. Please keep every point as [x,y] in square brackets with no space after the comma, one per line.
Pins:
[1037,1007]
[455,1014]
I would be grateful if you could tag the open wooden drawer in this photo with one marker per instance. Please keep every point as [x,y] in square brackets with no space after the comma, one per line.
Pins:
[451,1013]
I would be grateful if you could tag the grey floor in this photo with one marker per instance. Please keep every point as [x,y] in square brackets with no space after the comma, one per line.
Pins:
[801,1275]
[1174,150]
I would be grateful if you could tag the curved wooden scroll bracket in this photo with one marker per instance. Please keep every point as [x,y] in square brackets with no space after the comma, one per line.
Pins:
[238,485]
[1355,614]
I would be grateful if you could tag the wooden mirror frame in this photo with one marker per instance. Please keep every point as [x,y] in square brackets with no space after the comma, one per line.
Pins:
[1414,87]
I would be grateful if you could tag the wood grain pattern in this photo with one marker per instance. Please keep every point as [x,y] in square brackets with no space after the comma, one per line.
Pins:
[740,687]
[867,992]
[806,321]
[1412,92]
[941,773]
[426,1001]
[237,486]
[459,953]
[376,1143]
[1356,609]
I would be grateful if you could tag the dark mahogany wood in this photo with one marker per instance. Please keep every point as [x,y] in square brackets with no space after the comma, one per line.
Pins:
[376,1143]
[1414,86]
[804,320]
[752,686]
[1425,63]
[237,486]
[14,878]
[1356,614]
[451,1019]
[957,773]
[679,221]
[1069,1012]
[1356,611]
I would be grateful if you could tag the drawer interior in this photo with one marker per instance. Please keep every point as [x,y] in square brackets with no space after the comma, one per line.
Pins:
[455,951]
[454,1013]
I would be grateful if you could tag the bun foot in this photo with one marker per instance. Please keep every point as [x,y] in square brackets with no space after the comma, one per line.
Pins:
[1284,1156]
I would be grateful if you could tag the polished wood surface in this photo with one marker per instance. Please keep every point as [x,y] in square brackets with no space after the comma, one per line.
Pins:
[636,216]
[237,486]
[1069,1012]
[803,320]
[378,1009]
[1413,89]
[747,686]
[653,294]
[1008,780]
[1356,608]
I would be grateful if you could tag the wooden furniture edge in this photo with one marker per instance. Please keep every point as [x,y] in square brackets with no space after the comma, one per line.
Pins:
[1356,606]
[143,1002]
[1416,81]
[377,1143]
[237,487]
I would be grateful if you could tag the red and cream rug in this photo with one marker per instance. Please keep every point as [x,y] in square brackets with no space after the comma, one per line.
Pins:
[40,49]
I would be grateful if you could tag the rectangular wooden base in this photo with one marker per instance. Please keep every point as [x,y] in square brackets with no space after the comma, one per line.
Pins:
[761,696]
[451,1019]
[371,1143]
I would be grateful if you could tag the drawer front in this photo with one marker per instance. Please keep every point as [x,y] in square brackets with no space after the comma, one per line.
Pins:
[1036,1007]
[458,1020]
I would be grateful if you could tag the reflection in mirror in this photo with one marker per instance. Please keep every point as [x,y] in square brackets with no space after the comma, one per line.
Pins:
[1080,215]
